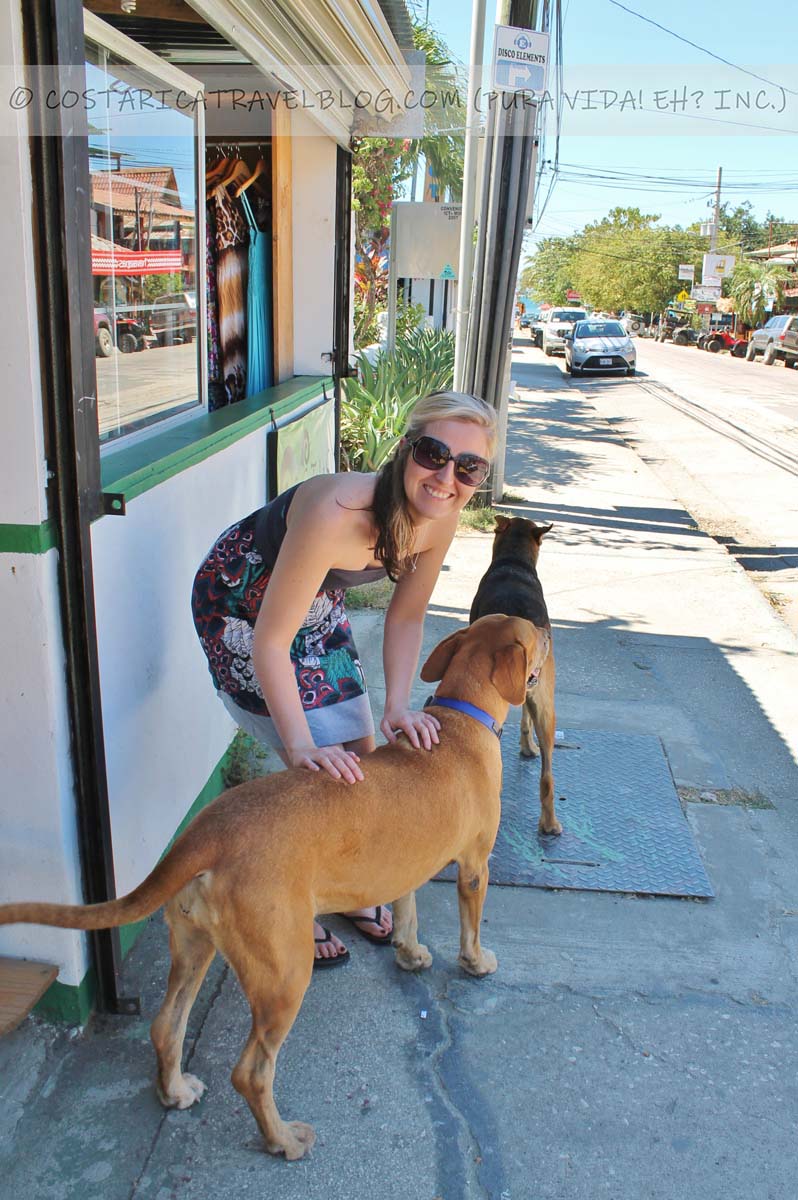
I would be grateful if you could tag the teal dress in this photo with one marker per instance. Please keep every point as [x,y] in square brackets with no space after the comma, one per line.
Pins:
[260,362]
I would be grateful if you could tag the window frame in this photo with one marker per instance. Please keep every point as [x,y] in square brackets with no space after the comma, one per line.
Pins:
[102,34]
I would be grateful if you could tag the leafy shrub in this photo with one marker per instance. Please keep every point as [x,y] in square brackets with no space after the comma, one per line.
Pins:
[376,404]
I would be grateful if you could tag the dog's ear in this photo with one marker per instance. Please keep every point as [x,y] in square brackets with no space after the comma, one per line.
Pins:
[435,666]
[501,524]
[509,673]
[540,532]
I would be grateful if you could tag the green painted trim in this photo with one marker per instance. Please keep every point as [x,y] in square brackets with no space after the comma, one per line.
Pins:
[27,539]
[135,469]
[72,1004]
[68,1005]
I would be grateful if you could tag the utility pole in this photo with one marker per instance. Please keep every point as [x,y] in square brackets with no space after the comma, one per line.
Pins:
[465,266]
[507,171]
[713,240]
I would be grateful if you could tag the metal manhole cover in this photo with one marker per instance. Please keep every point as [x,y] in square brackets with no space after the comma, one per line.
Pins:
[623,826]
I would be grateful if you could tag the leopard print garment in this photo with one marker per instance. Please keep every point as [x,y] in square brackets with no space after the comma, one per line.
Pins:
[231,289]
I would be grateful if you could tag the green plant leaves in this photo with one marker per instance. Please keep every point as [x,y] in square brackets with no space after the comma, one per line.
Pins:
[377,403]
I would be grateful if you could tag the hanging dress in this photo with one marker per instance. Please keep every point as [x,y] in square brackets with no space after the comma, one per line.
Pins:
[216,393]
[260,370]
[231,290]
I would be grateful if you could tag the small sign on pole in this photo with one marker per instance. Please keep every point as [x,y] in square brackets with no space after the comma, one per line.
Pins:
[520,60]
[720,265]
[706,291]
[686,271]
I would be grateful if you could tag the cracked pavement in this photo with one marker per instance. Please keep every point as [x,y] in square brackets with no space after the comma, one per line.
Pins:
[629,1048]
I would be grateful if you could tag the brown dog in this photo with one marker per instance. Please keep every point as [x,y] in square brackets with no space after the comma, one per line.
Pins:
[251,871]
[511,585]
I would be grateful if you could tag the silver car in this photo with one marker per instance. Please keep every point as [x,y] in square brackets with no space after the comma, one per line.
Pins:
[600,346]
[559,322]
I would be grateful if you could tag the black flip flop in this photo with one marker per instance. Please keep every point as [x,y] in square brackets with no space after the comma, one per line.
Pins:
[370,937]
[339,960]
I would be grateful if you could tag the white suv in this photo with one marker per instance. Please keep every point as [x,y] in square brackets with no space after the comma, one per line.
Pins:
[560,321]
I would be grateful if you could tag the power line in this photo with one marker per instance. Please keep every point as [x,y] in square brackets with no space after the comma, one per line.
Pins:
[703,49]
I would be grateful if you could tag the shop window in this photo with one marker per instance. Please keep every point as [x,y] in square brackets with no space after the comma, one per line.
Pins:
[144,145]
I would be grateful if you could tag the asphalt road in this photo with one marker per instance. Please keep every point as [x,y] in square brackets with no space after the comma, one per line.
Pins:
[722,434]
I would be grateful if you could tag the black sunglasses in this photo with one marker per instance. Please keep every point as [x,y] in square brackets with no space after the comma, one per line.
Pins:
[431,454]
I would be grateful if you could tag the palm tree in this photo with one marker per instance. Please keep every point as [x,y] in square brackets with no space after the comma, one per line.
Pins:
[753,286]
[441,146]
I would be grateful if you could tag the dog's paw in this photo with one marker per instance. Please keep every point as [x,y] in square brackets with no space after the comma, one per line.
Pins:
[529,748]
[486,964]
[417,958]
[187,1091]
[551,827]
[296,1138]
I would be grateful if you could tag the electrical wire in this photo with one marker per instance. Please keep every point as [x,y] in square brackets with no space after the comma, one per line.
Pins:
[703,49]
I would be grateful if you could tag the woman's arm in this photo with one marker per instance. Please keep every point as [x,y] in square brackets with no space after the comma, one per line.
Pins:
[304,559]
[404,629]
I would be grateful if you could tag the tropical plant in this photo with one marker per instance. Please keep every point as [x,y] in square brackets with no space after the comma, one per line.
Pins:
[439,145]
[753,286]
[376,404]
[381,165]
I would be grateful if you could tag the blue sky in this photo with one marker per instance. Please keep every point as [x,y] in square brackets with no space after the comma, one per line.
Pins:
[602,40]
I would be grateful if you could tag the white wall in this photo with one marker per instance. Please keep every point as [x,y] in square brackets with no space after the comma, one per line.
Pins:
[165,729]
[22,468]
[313,166]
[38,833]
[38,843]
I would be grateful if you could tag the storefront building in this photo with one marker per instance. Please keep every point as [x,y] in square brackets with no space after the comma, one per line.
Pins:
[177,311]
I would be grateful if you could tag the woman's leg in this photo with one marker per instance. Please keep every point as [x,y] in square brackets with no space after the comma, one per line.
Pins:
[366,919]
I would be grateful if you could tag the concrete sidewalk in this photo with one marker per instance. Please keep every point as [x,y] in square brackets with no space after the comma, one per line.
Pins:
[627,1047]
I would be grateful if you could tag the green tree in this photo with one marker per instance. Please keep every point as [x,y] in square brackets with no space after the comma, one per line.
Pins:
[549,273]
[753,285]
[624,262]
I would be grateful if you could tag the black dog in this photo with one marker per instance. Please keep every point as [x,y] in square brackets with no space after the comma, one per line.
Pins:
[511,586]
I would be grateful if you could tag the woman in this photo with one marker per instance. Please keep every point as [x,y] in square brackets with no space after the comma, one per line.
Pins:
[268,603]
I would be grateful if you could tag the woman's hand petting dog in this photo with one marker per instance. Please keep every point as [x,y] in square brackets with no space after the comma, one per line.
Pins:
[420,728]
[340,763]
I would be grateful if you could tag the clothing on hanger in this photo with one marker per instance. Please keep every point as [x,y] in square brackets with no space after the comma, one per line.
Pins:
[231,287]
[260,371]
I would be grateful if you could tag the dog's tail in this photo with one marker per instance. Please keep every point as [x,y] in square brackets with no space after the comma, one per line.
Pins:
[185,860]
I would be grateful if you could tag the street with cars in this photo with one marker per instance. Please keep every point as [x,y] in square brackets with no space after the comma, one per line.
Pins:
[722,432]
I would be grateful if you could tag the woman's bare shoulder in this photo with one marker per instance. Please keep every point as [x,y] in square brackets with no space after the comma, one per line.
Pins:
[338,500]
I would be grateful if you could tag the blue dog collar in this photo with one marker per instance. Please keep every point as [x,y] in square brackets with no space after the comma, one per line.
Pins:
[470,710]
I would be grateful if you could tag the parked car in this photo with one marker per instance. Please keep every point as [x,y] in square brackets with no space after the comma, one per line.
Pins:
[598,346]
[526,320]
[536,328]
[560,321]
[778,338]
[173,318]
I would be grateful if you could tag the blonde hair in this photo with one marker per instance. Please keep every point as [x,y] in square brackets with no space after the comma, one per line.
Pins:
[454,406]
[395,530]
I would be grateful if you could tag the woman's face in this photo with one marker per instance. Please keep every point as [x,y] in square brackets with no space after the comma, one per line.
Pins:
[432,494]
